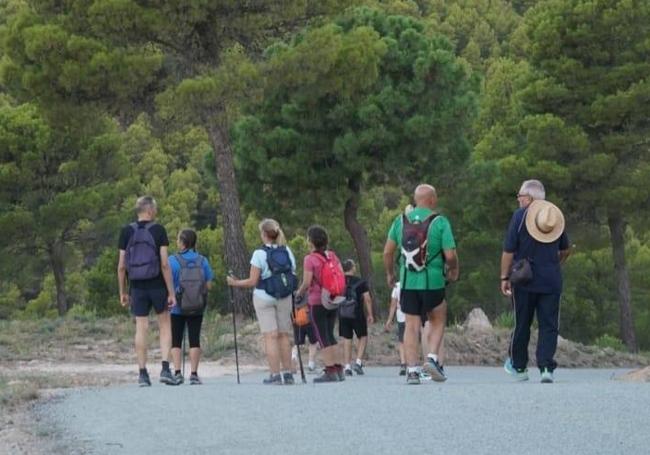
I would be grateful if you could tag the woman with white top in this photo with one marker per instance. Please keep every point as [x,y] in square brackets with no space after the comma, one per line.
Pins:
[273,314]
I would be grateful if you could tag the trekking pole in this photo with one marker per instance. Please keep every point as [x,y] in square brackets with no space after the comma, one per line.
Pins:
[234,325]
[293,309]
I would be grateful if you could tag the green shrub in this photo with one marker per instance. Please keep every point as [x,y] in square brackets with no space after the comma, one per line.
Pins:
[609,341]
[505,320]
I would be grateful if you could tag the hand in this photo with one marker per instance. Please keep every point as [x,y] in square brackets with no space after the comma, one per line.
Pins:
[371,319]
[171,301]
[231,280]
[388,326]
[452,275]
[390,280]
[506,288]
[125,300]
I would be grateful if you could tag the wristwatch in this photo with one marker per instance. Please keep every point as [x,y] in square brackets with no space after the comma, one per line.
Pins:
[504,278]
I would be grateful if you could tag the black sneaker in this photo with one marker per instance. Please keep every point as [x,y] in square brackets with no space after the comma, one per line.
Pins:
[166,377]
[194,379]
[433,368]
[273,379]
[331,376]
[288,379]
[143,380]
[348,372]
[413,377]
[178,377]
[402,370]
[340,373]
[358,369]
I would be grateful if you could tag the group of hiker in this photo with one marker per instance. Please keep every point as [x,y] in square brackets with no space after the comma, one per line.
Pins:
[420,244]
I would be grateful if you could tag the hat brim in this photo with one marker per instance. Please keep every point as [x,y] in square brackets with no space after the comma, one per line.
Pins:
[544,237]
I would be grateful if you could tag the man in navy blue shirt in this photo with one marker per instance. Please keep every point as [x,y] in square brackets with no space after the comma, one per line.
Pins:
[535,233]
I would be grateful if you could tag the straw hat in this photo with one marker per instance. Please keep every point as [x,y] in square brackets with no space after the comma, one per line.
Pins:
[544,221]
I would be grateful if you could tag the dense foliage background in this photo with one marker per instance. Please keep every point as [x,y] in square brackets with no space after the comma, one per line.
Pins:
[329,112]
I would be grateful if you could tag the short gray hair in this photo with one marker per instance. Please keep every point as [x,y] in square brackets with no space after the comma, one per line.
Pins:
[534,189]
[145,203]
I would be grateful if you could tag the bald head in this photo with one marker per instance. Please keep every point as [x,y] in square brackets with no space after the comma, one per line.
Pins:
[425,196]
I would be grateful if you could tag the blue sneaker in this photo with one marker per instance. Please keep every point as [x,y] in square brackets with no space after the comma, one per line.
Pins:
[547,376]
[520,374]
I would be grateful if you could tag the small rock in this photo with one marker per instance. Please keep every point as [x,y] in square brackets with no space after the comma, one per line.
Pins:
[477,320]
[642,375]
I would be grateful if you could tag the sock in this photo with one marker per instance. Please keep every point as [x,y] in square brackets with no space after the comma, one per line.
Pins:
[347,366]
[433,356]
[165,365]
[311,365]
[286,372]
[359,362]
[143,371]
[413,369]
[177,372]
[194,373]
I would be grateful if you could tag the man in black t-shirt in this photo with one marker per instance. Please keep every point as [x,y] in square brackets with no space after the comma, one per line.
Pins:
[358,325]
[154,290]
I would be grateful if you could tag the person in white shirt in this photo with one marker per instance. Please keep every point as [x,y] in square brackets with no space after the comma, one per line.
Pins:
[395,312]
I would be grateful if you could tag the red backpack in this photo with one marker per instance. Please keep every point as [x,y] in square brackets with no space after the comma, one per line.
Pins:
[332,280]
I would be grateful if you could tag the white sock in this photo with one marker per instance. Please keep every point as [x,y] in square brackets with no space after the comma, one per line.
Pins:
[294,353]
[359,362]
[347,366]
[433,356]
[413,369]
[311,365]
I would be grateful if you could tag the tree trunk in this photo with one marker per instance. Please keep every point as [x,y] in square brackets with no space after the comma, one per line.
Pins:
[359,237]
[235,247]
[617,235]
[55,253]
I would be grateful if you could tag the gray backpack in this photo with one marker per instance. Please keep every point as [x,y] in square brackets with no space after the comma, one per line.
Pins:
[192,292]
[142,261]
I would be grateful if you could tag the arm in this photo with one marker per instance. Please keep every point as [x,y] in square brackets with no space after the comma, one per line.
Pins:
[306,282]
[506,263]
[121,278]
[391,314]
[167,276]
[451,260]
[389,262]
[564,255]
[250,282]
[367,301]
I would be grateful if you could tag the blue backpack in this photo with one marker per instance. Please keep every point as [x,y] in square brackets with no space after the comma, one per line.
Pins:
[142,261]
[282,282]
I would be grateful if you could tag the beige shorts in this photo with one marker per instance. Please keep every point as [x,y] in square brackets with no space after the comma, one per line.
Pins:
[273,315]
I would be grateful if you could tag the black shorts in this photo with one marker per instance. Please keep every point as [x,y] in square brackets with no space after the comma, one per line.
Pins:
[322,323]
[193,324]
[420,302]
[400,331]
[143,299]
[301,333]
[358,326]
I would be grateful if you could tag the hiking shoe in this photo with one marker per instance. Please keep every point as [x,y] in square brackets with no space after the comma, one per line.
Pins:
[520,374]
[288,379]
[358,369]
[143,380]
[547,376]
[327,376]
[166,377]
[273,379]
[179,379]
[348,372]
[195,380]
[340,373]
[433,368]
[413,377]
[402,370]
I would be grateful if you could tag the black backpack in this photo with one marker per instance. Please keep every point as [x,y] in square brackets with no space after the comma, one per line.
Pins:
[348,308]
[282,282]
[415,238]
[192,293]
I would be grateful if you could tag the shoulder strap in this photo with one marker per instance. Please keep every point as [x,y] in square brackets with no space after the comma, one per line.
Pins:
[181,260]
[134,226]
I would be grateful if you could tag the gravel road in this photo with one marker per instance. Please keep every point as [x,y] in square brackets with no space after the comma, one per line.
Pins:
[477,411]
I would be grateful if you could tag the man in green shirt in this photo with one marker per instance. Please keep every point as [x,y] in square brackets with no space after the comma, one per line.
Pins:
[427,261]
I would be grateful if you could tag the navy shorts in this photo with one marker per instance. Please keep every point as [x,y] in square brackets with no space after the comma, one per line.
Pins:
[142,300]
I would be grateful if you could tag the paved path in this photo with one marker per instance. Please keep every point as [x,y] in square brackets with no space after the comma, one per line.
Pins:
[478,411]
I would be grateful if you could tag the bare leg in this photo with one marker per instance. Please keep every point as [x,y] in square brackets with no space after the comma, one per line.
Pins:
[285,351]
[412,339]
[195,355]
[176,358]
[141,328]
[272,351]
[347,351]
[361,347]
[313,350]
[402,356]
[438,320]
[165,328]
